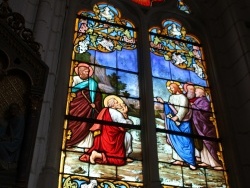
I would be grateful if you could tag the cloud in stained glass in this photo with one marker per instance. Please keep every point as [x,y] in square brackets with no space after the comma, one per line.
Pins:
[165,69]
[174,44]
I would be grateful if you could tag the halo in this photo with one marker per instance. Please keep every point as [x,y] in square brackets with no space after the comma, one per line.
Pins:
[199,87]
[84,65]
[168,83]
[105,102]
[173,82]
[206,92]
[186,85]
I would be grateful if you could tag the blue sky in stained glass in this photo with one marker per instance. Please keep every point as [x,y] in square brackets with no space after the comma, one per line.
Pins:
[124,59]
[132,83]
[127,60]
[106,59]
[160,67]
[159,89]
[178,74]
[166,70]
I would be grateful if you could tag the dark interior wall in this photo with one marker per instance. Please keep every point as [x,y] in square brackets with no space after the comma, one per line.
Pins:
[228,26]
[28,8]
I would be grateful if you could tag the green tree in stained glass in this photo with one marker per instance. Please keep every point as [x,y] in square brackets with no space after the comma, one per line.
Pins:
[103,99]
[116,83]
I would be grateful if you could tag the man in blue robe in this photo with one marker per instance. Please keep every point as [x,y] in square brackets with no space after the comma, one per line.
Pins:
[178,120]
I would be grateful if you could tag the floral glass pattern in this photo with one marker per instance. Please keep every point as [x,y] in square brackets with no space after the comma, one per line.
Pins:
[189,149]
[102,138]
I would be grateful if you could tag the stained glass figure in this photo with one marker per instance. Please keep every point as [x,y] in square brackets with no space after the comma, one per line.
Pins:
[189,150]
[102,142]
[183,7]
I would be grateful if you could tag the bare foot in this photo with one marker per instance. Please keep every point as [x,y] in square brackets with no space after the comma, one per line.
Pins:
[198,159]
[218,168]
[86,149]
[129,160]
[178,163]
[92,157]
[203,164]
[192,167]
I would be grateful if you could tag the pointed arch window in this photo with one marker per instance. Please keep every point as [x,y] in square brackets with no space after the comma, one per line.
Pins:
[103,140]
[103,108]
[187,136]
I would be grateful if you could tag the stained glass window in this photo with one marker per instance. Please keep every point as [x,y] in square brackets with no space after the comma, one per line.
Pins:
[102,132]
[183,7]
[102,141]
[189,150]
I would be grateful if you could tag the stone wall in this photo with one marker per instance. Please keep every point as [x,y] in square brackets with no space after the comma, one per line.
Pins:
[46,19]
[228,25]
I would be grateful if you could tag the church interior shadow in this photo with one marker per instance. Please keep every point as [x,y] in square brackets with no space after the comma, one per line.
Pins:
[14,99]
[23,78]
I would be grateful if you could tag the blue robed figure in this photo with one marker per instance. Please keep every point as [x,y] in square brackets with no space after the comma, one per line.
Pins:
[183,145]
[177,119]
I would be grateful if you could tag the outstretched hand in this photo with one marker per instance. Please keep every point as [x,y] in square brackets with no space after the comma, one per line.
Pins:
[159,99]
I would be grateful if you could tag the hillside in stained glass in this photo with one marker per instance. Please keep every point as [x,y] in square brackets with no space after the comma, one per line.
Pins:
[189,150]
[102,137]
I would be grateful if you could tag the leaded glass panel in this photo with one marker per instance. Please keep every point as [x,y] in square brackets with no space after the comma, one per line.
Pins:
[183,7]
[102,131]
[189,148]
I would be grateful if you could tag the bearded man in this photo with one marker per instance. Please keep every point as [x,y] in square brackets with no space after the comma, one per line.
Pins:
[189,88]
[201,117]
[178,120]
[112,144]
[86,103]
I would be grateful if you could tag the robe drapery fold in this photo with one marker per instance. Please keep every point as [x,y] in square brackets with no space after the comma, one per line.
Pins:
[110,142]
[86,92]
[203,125]
[183,145]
